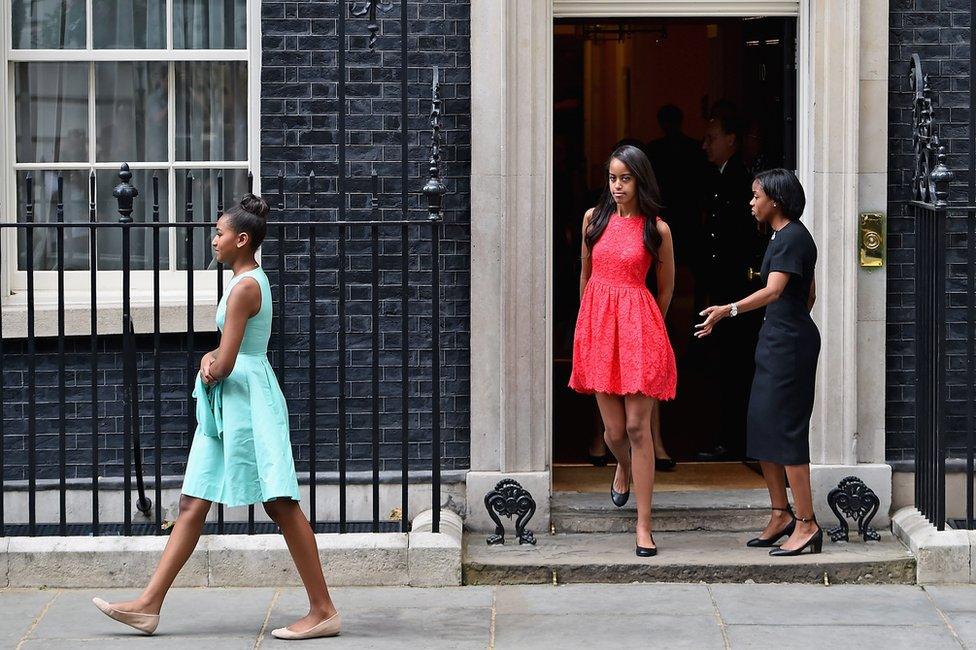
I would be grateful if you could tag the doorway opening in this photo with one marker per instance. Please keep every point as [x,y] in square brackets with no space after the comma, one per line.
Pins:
[619,80]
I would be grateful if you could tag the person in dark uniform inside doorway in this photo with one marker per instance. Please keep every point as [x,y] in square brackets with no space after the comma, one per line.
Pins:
[730,250]
[679,163]
[786,362]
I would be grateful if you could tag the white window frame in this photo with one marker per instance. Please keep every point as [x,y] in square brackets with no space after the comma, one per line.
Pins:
[173,296]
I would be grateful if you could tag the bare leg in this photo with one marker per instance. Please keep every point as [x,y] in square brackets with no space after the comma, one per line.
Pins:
[305,553]
[776,484]
[615,434]
[799,476]
[182,540]
[659,450]
[598,446]
[638,408]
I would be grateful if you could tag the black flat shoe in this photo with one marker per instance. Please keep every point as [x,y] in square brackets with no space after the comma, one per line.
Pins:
[599,461]
[645,551]
[760,542]
[815,544]
[619,498]
[664,464]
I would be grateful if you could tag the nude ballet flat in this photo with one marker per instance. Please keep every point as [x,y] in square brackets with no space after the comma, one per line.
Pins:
[145,623]
[328,627]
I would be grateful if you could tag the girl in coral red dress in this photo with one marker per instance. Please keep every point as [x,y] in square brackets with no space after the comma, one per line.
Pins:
[621,351]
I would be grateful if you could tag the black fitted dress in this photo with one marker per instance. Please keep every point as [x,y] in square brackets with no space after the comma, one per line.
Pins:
[786,357]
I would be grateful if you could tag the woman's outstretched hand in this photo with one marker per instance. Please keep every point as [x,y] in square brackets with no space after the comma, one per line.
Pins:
[712,314]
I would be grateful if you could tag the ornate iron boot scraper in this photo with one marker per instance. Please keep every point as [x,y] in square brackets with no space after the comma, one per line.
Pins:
[855,500]
[510,499]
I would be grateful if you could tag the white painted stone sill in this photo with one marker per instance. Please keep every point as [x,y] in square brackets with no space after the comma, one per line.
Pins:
[77,313]
[941,556]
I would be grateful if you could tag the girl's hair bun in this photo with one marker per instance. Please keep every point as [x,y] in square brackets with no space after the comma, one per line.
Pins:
[255,205]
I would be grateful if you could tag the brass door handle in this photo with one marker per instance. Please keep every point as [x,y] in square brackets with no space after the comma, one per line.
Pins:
[751,274]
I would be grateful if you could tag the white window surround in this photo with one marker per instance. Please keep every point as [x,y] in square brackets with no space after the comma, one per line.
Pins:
[672,8]
[173,298]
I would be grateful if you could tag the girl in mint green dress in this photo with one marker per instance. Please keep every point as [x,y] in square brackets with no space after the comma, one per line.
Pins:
[241,451]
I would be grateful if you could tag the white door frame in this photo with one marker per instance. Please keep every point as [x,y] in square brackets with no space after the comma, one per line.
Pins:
[511,59]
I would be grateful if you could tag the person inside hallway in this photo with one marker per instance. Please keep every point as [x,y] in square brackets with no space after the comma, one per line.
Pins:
[729,253]
[679,165]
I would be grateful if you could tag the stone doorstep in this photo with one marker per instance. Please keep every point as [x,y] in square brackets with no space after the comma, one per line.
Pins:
[711,510]
[352,559]
[947,556]
[684,557]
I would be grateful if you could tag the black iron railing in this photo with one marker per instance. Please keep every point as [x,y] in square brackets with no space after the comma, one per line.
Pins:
[945,356]
[406,232]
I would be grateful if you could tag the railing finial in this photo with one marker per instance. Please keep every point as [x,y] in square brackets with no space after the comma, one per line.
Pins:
[369,7]
[434,190]
[124,192]
[931,177]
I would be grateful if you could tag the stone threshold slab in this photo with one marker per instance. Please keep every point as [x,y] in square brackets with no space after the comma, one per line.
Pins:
[350,559]
[683,557]
[674,511]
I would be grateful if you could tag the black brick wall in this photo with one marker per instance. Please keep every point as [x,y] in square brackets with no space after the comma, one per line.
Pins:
[299,135]
[939,32]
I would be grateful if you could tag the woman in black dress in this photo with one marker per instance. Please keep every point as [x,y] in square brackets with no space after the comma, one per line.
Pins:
[781,400]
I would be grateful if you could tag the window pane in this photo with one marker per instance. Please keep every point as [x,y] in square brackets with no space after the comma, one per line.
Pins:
[45,210]
[51,111]
[211,110]
[205,209]
[210,24]
[130,112]
[48,24]
[128,24]
[110,239]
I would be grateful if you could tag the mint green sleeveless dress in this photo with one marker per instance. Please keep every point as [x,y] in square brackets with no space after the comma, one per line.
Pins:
[241,451]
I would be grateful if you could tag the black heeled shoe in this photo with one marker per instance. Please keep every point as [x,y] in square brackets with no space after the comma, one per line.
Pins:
[647,551]
[761,542]
[815,543]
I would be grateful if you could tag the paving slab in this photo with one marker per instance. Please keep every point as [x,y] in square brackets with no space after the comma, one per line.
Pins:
[818,637]
[20,608]
[400,597]
[662,599]
[684,557]
[953,598]
[127,642]
[400,617]
[188,614]
[855,605]
[964,626]
[582,629]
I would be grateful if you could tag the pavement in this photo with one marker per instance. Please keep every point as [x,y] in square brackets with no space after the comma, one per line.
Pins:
[588,616]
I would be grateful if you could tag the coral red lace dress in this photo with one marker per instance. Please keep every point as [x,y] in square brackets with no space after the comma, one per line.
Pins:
[621,345]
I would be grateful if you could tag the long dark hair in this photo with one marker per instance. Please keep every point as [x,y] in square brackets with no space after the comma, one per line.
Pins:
[648,199]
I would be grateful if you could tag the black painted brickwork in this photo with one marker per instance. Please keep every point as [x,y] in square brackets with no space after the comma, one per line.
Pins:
[939,31]
[299,135]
